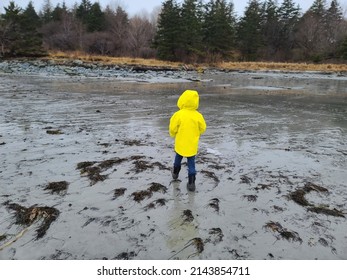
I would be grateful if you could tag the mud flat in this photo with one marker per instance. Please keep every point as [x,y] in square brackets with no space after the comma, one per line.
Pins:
[85,166]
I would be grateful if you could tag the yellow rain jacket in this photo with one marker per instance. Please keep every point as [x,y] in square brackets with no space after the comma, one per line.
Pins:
[187,124]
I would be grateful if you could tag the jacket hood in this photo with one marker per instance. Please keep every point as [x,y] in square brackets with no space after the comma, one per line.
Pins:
[188,100]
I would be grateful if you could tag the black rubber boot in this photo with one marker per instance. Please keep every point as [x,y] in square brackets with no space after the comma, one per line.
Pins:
[175,172]
[191,183]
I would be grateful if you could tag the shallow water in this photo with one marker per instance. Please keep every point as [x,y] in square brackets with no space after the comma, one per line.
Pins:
[268,135]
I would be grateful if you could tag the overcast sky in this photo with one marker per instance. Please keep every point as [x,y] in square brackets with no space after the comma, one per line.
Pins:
[136,6]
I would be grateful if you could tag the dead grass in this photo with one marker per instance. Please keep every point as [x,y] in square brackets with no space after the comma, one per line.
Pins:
[245,66]
[107,60]
[264,66]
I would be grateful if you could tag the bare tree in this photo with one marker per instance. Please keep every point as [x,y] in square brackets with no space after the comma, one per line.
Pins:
[117,23]
[141,34]
[5,29]
[66,34]
[309,36]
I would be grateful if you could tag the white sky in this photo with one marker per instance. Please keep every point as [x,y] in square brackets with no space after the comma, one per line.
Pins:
[136,6]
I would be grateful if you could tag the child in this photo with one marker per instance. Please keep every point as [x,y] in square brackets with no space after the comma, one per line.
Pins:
[186,125]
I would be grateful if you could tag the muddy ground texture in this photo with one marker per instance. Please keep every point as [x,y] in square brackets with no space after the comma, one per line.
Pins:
[86,159]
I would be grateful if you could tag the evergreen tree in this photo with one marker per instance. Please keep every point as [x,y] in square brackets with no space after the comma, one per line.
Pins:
[8,26]
[12,34]
[289,14]
[59,12]
[91,16]
[249,31]
[22,38]
[334,13]
[31,40]
[31,19]
[343,49]
[270,29]
[191,36]
[83,10]
[219,28]
[46,13]
[335,28]
[96,21]
[167,40]
[318,8]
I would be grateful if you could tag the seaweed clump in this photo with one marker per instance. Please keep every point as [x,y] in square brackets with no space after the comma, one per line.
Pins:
[2,237]
[93,169]
[54,131]
[141,195]
[28,216]
[283,232]
[57,187]
[197,243]
[154,204]
[187,216]
[214,204]
[218,235]
[211,175]
[126,256]
[143,165]
[250,198]
[119,192]
[324,210]
[298,196]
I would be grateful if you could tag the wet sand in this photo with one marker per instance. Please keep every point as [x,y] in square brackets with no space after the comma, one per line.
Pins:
[86,164]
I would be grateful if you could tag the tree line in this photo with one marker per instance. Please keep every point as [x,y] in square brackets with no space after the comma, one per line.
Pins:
[193,31]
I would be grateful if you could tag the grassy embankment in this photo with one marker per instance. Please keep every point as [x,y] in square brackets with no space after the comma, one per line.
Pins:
[263,66]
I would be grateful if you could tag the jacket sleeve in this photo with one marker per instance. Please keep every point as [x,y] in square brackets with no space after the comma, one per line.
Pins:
[202,124]
[174,123]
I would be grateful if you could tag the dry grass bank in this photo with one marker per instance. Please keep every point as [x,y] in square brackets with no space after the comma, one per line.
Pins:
[284,66]
[108,60]
[251,66]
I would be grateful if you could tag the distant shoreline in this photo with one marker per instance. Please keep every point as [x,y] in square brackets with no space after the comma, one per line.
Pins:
[139,64]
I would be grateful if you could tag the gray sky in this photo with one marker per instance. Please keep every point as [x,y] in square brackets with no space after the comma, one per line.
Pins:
[136,6]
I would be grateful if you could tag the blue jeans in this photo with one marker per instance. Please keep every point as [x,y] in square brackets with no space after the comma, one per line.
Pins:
[190,161]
